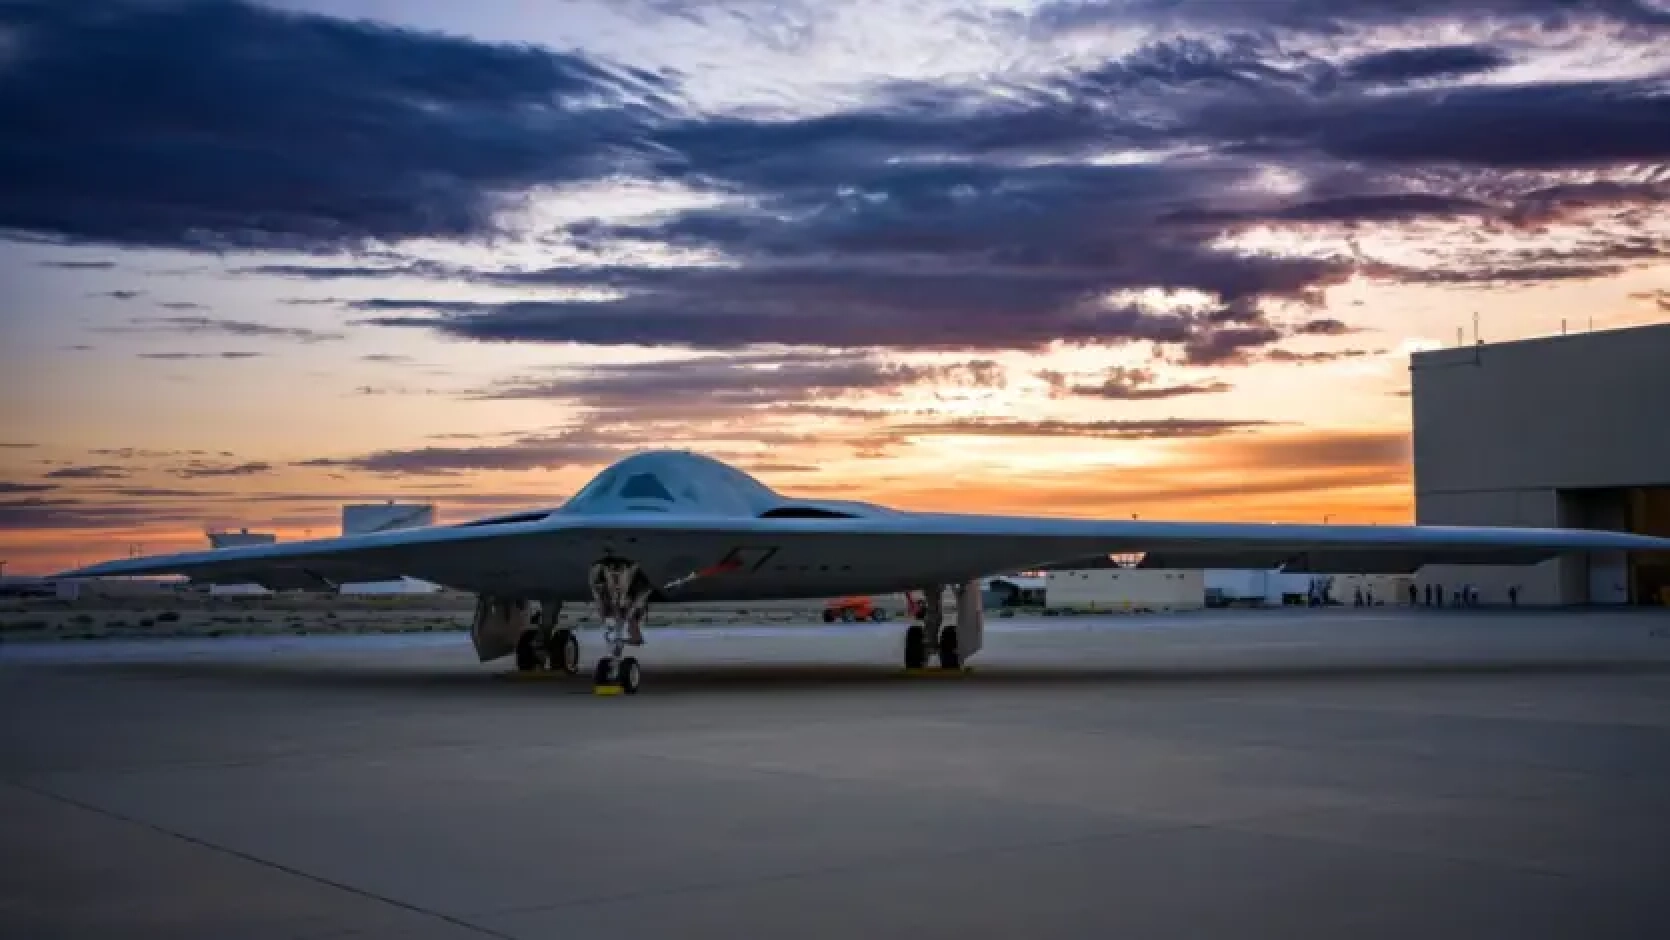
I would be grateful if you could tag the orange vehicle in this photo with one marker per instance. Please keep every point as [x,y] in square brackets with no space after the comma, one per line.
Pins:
[849,609]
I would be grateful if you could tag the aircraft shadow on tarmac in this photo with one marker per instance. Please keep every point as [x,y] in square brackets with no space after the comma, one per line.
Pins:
[696,679]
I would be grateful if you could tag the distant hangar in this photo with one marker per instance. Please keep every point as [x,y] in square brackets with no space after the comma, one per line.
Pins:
[1570,430]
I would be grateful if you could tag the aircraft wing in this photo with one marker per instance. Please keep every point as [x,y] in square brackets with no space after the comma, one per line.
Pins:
[721,557]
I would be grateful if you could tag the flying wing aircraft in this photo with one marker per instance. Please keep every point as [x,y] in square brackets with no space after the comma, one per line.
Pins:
[678,526]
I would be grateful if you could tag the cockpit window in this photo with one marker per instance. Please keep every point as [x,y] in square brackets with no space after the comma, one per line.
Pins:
[644,486]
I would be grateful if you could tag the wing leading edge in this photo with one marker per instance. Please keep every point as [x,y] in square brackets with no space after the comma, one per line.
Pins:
[807,557]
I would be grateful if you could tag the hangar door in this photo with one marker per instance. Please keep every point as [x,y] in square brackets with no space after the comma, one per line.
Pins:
[1649,574]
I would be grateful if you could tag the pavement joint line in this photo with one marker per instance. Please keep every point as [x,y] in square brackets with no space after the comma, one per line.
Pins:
[257,860]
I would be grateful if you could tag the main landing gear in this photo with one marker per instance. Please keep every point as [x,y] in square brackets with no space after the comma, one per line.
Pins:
[547,647]
[929,639]
[621,592]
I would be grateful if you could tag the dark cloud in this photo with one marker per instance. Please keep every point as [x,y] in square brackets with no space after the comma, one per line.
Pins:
[200,326]
[1228,346]
[1159,429]
[847,310]
[14,488]
[154,492]
[386,358]
[744,380]
[401,390]
[79,265]
[1326,326]
[181,305]
[1387,207]
[1548,126]
[1333,17]
[1659,297]
[529,453]
[22,514]
[14,444]
[140,453]
[1330,355]
[213,123]
[929,218]
[1549,204]
[99,472]
[1124,383]
[1509,274]
[196,469]
[177,356]
[121,294]
[771,466]
[1401,66]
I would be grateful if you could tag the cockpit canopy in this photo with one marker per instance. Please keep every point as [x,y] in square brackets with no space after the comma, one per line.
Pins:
[690,484]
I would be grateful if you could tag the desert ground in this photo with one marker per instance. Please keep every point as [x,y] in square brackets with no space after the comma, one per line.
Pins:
[135,613]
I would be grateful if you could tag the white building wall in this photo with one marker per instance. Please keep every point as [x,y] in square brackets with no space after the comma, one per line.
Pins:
[237,539]
[364,518]
[1115,589]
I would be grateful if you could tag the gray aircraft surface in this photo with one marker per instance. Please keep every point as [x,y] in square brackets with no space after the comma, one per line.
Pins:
[668,526]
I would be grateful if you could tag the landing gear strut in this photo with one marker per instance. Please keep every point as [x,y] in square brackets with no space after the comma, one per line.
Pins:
[950,644]
[621,592]
[928,638]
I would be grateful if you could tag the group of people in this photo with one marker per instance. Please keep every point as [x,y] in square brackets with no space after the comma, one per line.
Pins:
[1432,595]
[1429,595]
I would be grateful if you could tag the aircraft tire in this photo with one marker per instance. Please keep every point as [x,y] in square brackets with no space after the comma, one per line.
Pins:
[527,651]
[916,647]
[949,657]
[565,652]
[604,674]
[628,675]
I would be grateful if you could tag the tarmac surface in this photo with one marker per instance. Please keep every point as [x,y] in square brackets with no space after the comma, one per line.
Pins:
[1288,774]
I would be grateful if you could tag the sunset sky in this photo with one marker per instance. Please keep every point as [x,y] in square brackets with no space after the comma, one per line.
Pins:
[1103,258]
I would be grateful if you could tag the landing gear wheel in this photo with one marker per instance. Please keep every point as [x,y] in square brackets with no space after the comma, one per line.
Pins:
[949,657]
[916,647]
[565,652]
[605,672]
[628,675]
[528,658]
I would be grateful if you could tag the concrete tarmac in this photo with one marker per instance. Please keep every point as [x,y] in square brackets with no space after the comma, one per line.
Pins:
[1289,774]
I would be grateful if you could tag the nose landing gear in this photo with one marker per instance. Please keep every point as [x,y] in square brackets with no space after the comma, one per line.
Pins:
[621,591]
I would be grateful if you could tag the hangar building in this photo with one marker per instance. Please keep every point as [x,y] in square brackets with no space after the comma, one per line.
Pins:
[1570,430]
[365,518]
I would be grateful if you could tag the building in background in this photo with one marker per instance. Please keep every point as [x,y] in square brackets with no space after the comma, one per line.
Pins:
[237,539]
[1570,431]
[367,518]
[1124,589]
